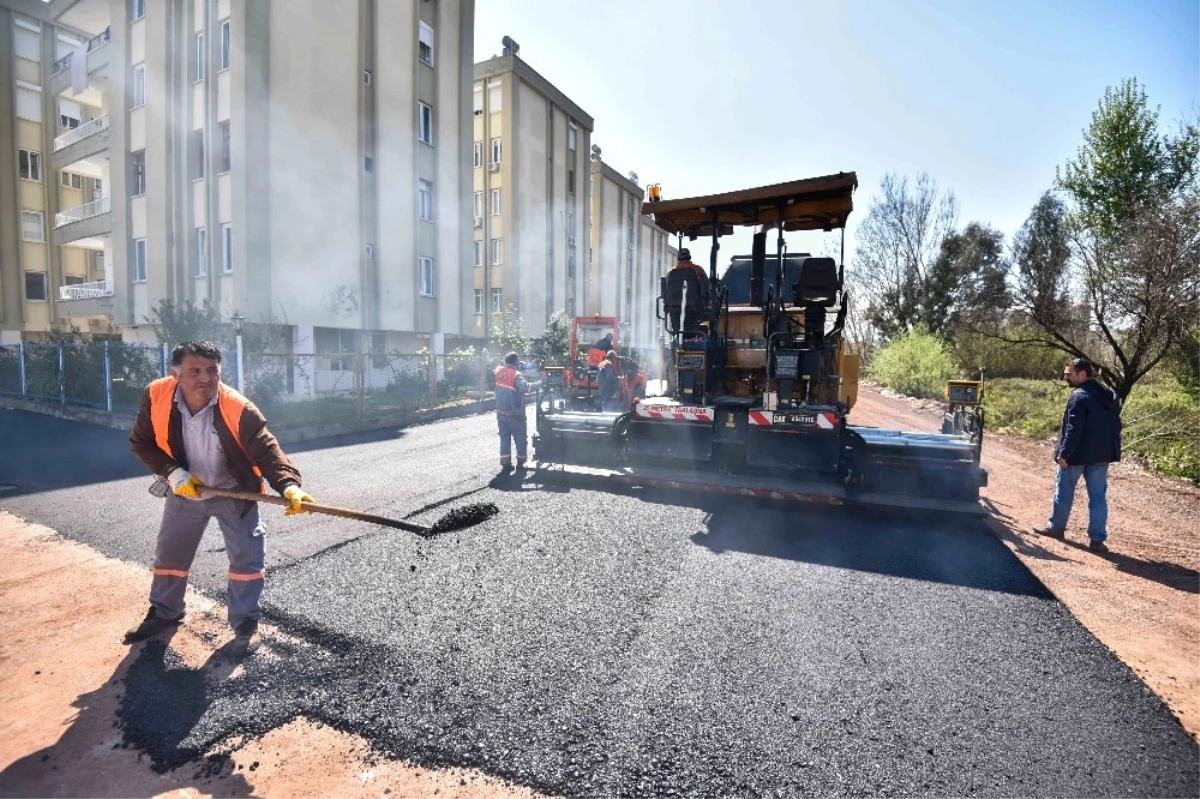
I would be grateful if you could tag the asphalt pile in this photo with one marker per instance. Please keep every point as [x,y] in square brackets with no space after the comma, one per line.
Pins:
[465,516]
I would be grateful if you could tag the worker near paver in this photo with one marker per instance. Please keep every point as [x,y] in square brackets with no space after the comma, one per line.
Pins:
[599,350]
[608,383]
[685,262]
[510,412]
[1088,440]
[194,431]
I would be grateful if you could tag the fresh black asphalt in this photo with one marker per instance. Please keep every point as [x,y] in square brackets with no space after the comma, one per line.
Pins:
[591,643]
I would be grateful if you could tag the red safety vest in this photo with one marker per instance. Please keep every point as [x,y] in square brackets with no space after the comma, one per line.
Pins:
[230,405]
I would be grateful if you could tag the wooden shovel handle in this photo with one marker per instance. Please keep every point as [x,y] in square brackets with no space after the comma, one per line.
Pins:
[330,510]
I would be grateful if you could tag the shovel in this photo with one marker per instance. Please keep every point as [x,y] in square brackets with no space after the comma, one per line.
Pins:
[457,519]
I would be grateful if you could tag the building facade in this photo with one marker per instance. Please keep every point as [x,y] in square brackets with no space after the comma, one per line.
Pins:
[528,199]
[297,161]
[627,255]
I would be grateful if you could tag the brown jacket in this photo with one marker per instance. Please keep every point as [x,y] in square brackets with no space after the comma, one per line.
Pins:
[256,441]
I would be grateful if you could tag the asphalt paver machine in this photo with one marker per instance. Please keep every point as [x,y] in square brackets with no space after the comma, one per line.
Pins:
[759,381]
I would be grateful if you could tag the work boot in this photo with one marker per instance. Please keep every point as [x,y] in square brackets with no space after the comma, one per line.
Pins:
[1099,547]
[243,637]
[506,468]
[151,626]
[1050,532]
[521,465]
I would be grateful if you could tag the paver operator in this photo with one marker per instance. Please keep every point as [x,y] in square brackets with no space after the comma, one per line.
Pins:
[510,412]
[599,350]
[685,262]
[1088,440]
[194,430]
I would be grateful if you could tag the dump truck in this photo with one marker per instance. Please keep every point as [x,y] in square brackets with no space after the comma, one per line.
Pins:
[759,380]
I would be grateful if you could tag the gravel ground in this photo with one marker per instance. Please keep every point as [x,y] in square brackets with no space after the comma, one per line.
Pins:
[597,644]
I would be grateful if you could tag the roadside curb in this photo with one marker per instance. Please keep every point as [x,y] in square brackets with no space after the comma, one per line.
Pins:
[285,435]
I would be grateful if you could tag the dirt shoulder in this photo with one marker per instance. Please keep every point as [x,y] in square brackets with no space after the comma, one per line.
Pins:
[64,611]
[1142,599]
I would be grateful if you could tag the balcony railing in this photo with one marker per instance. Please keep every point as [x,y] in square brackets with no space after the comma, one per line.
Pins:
[86,291]
[89,128]
[94,43]
[81,212]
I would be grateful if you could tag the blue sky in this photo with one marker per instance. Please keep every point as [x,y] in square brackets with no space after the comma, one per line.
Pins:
[989,96]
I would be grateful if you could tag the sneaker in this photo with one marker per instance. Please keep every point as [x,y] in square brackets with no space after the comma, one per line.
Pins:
[1050,532]
[151,626]
[1098,546]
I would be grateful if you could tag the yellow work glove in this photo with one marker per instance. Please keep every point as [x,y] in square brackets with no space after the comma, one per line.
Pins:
[184,483]
[297,496]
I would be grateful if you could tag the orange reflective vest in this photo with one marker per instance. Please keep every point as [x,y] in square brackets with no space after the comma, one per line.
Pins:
[230,405]
[508,402]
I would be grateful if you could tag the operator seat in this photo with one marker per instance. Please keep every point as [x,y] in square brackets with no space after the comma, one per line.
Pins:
[673,300]
[817,284]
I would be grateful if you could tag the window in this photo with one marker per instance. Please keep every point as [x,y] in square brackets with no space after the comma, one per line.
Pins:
[425,200]
[478,100]
[226,157]
[570,181]
[74,280]
[497,299]
[138,176]
[367,77]
[97,188]
[201,57]
[495,251]
[495,202]
[338,344]
[227,248]
[369,163]
[571,262]
[70,115]
[369,251]
[478,252]
[494,98]
[424,123]
[139,86]
[478,302]
[35,286]
[29,101]
[201,252]
[70,180]
[198,153]
[478,205]
[137,9]
[572,132]
[497,150]
[139,260]
[379,351]
[478,153]
[31,165]
[27,42]
[33,226]
[425,45]
[426,275]
[226,45]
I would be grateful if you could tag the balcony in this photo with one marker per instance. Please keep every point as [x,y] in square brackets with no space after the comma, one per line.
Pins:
[87,140]
[98,55]
[90,220]
[86,291]
[85,299]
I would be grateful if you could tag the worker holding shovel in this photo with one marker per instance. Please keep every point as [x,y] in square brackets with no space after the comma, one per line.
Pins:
[195,432]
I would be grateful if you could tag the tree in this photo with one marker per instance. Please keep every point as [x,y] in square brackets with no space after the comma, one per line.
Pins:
[968,279]
[508,331]
[174,324]
[898,243]
[1124,166]
[1042,254]
[552,348]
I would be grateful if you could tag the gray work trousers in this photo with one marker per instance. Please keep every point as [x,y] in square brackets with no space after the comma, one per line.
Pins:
[183,525]
[512,428]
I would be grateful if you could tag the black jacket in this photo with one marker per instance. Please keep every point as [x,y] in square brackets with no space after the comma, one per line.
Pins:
[1091,426]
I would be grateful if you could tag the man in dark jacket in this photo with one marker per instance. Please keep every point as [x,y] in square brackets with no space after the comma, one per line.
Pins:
[1089,440]
[194,431]
[608,383]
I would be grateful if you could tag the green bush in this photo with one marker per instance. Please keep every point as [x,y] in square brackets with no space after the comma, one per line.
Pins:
[1032,407]
[915,364]
[1001,359]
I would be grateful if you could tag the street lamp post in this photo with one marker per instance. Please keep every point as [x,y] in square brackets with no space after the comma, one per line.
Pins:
[237,320]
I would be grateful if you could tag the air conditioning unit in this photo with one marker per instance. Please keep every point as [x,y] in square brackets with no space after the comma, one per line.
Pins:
[478,222]
[494,166]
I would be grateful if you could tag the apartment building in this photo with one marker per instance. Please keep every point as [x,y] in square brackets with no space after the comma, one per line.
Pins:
[297,160]
[627,254]
[528,198]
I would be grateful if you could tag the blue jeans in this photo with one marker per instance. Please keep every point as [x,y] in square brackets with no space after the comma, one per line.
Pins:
[1095,477]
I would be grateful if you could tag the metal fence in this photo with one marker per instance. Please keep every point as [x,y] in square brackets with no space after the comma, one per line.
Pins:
[289,387]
